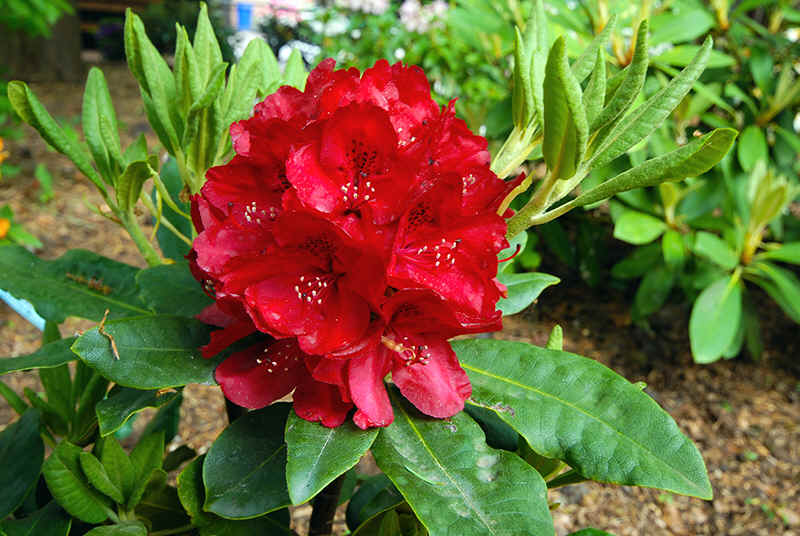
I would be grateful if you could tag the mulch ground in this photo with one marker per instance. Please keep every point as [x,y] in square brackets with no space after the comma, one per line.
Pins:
[744,416]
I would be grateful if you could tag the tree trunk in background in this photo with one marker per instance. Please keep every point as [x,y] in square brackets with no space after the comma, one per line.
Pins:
[40,59]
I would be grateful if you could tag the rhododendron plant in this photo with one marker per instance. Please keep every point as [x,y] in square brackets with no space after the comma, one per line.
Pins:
[325,247]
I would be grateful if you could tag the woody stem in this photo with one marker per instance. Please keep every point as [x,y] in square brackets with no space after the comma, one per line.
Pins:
[325,509]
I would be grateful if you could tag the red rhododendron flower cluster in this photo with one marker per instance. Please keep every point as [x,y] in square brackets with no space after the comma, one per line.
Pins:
[357,228]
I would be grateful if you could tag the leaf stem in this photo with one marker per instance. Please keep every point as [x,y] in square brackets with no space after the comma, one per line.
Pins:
[145,247]
[325,509]
[148,203]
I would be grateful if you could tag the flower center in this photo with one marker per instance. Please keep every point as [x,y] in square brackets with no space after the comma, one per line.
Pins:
[314,288]
[442,253]
[410,354]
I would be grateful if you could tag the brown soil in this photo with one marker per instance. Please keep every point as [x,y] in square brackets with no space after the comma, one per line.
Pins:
[744,417]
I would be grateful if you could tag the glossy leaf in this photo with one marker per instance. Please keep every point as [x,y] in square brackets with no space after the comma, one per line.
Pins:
[145,458]
[691,160]
[50,520]
[565,127]
[123,403]
[454,482]
[69,487]
[244,470]
[523,290]
[21,456]
[171,289]
[316,455]
[715,317]
[374,496]
[574,409]
[642,121]
[638,228]
[79,283]
[716,250]
[499,435]
[122,529]
[154,352]
[50,355]
[118,465]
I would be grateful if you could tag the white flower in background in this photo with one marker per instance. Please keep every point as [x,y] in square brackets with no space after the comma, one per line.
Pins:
[418,18]
[376,7]
[400,53]
[796,122]
[793,34]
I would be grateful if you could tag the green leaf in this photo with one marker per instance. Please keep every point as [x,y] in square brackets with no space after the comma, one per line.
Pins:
[523,289]
[566,130]
[14,400]
[682,56]
[154,352]
[680,25]
[374,496]
[454,482]
[499,435]
[128,186]
[50,520]
[206,48]
[691,160]
[187,75]
[79,283]
[104,143]
[171,246]
[167,418]
[244,470]
[782,286]
[117,465]
[190,488]
[645,119]
[50,355]
[172,289]
[134,528]
[673,249]
[21,456]
[515,246]
[66,482]
[631,84]
[268,525]
[31,110]
[575,409]
[653,291]
[638,263]
[123,403]
[638,228]
[788,252]
[715,319]
[98,477]
[145,458]
[590,532]
[294,74]
[752,148]
[716,250]
[316,455]
[595,94]
[594,54]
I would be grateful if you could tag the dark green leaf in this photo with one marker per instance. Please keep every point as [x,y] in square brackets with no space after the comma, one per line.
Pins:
[21,456]
[455,483]
[50,520]
[316,455]
[79,283]
[782,286]
[575,409]
[590,532]
[50,355]
[13,399]
[499,435]
[653,291]
[69,487]
[376,495]
[244,470]
[523,289]
[715,319]
[154,352]
[145,458]
[638,263]
[171,289]
[133,528]
[166,419]
[124,402]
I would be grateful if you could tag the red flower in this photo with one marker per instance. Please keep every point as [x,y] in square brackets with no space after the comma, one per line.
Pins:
[354,233]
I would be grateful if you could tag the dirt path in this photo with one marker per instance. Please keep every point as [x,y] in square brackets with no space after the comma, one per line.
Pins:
[745,417]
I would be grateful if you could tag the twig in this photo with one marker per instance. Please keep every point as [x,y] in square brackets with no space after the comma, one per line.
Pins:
[101,330]
[325,509]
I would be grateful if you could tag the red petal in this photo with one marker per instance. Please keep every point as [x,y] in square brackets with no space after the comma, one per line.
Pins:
[365,378]
[253,384]
[320,402]
[438,387]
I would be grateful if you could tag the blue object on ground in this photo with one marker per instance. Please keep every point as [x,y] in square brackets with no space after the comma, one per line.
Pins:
[244,12]
[23,309]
